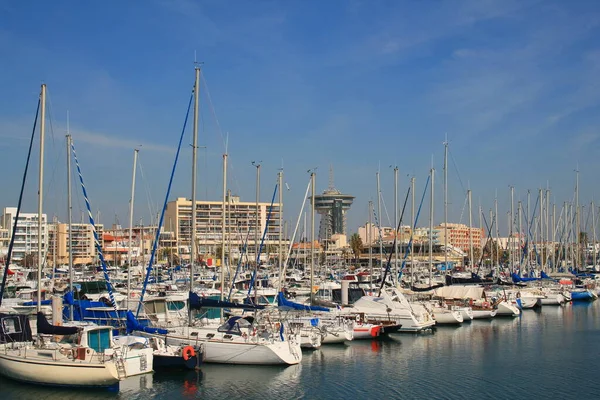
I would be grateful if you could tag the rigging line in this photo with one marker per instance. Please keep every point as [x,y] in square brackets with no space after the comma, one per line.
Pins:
[95,232]
[214,114]
[389,261]
[462,212]
[385,209]
[412,231]
[151,205]
[14,228]
[162,215]
[457,171]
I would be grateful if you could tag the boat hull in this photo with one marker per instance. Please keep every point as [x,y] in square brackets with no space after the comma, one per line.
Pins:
[506,309]
[247,352]
[484,314]
[338,337]
[366,331]
[48,372]
[447,317]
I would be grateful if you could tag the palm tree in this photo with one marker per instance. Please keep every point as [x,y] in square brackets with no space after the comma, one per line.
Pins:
[356,245]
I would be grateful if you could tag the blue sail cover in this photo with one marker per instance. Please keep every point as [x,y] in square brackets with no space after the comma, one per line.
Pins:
[283,302]
[134,325]
[516,278]
[545,276]
[197,302]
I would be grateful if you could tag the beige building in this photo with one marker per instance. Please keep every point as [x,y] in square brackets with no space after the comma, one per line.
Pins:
[240,224]
[82,243]
[459,236]
[26,234]
[4,242]
[387,233]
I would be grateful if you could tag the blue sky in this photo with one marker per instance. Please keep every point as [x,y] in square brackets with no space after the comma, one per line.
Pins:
[360,85]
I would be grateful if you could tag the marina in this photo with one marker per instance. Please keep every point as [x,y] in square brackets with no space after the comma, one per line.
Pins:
[524,357]
[394,201]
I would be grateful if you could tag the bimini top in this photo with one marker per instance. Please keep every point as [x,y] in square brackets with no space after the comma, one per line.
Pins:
[14,328]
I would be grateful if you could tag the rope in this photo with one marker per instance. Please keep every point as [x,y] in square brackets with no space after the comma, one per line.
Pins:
[96,239]
[412,231]
[162,214]
[14,230]
[262,241]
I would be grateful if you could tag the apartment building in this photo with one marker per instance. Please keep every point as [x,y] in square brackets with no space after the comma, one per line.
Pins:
[240,225]
[82,243]
[26,235]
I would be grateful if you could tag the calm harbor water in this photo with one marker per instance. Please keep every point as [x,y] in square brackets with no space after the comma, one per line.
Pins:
[552,353]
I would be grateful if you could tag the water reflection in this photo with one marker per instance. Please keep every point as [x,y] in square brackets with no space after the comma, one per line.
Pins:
[533,355]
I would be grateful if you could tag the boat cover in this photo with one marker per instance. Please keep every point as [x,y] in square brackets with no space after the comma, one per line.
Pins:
[283,302]
[460,292]
[134,325]
[198,302]
[43,326]
[14,328]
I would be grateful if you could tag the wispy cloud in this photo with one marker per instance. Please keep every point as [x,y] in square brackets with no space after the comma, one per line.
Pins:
[118,142]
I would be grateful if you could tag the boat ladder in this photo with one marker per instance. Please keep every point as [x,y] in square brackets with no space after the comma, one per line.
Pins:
[120,363]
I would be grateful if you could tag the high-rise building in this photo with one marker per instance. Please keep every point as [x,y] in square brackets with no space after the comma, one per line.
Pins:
[458,236]
[240,225]
[83,244]
[332,205]
[26,235]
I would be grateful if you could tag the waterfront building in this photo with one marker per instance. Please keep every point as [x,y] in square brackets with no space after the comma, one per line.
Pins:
[240,226]
[83,244]
[4,242]
[459,236]
[332,206]
[26,235]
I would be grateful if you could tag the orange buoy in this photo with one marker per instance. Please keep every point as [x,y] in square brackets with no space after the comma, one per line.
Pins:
[187,352]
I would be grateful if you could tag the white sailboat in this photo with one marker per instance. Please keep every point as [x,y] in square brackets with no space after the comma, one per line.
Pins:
[261,340]
[53,363]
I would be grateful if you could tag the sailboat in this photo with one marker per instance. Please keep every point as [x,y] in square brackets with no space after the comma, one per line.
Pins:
[261,339]
[84,361]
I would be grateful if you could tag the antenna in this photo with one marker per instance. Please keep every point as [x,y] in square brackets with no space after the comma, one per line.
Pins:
[331,185]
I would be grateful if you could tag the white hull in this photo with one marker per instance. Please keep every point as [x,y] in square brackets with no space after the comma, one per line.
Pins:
[484,314]
[223,351]
[507,310]
[553,300]
[338,337]
[447,317]
[46,371]
[466,312]
[366,331]
[310,338]
[528,302]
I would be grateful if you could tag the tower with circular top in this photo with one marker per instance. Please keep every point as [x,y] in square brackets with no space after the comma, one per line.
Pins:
[332,205]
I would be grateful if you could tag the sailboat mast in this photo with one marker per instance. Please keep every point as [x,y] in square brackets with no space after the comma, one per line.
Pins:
[280,251]
[412,227]
[135,155]
[40,198]
[396,221]
[470,231]
[511,237]
[370,242]
[194,163]
[445,205]
[312,236]
[497,231]
[223,227]
[491,241]
[256,226]
[69,213]
[594,233]
[519,211]
[577,222]
[379,220]
[431,226]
